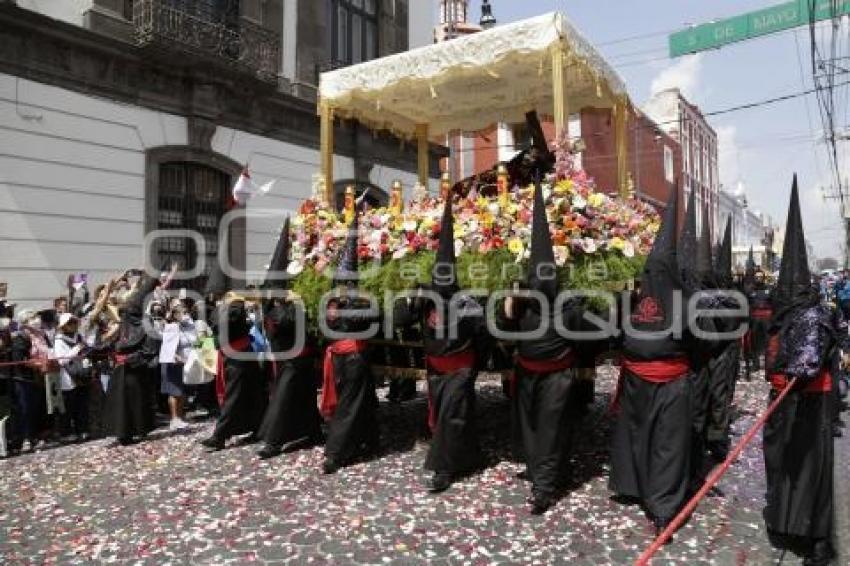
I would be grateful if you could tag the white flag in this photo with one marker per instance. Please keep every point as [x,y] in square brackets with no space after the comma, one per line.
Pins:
[245,188]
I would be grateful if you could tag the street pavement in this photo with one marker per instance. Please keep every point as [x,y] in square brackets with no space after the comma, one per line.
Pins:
[166,501]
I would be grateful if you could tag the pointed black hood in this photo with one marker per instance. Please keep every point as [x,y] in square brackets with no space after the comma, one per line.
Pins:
[444,274]
[750,269]
[687,248]
[794,286]
[542,273]
[724,257]
[347,269]
[661,277]
[280,259]
[705,267]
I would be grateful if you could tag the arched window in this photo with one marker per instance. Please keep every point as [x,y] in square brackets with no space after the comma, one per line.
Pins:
[190,196]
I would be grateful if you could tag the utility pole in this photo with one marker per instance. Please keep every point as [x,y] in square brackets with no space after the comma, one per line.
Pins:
[838,194]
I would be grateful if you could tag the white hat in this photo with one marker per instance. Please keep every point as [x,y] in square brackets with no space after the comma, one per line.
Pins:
[65,318]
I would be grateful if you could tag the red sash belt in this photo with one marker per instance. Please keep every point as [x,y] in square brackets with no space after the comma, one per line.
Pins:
[821,384]
[747,341]
[761,314]
[541,367]
[239,345]
[445,365]
[328,402]
[547,366]
[451,363]
[658,371]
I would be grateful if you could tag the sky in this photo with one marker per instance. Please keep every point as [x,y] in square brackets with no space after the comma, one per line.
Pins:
[760,147]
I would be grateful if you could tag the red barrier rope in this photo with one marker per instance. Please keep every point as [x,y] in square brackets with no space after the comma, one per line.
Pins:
[712,479]
[40,360]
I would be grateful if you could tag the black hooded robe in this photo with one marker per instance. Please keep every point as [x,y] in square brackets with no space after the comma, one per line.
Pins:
[651,443]
[797,438]
[246,390]
[454,446]
[723,368]
[128,411]
[761,311]
[547,401]
[292,415]
[353,427]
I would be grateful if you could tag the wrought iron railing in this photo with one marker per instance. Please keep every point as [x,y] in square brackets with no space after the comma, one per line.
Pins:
[206,28]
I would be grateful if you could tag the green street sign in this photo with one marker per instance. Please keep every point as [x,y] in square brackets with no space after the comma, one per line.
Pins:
[754,24]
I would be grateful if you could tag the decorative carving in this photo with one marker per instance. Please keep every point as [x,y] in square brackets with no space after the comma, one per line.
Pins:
[201,132]
[197,28]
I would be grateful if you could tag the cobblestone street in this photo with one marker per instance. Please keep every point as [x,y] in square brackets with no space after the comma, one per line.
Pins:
[165,500]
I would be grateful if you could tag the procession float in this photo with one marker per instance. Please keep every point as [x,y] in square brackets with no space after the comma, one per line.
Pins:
[513,73]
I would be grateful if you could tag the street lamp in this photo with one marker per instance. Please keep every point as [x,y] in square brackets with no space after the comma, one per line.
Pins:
[487,18]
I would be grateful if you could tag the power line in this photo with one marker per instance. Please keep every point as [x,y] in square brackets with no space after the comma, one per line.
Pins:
[635,37]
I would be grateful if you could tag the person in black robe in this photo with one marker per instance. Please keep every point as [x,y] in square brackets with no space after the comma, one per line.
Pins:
[651,443]
[797,438]
[292,418]
[129,414]
[546,400]
[452,324]
[761,313]
[724,366]
[748,288]
[240,380]
[349,402]
[696,273]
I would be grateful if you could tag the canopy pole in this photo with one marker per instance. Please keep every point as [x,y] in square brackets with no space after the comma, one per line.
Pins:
[326,133]
[620,122]
[559,90]
[422,153]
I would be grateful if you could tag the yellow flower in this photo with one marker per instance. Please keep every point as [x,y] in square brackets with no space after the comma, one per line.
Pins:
[515,246]
[617,243]
[563,187]
[459,230]
[596,200]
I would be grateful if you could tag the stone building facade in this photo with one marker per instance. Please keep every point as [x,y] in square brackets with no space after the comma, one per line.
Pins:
[121,117]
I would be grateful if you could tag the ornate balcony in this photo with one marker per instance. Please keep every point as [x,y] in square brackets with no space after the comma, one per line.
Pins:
[210,30]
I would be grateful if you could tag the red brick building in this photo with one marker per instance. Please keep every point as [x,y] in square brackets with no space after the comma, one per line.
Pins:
[654,157]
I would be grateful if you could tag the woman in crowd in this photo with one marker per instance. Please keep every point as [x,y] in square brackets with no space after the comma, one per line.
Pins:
[129,414]
[27,381]
[178,338]
[74,375]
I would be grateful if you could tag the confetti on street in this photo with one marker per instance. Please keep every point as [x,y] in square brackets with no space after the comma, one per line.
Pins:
[166,501]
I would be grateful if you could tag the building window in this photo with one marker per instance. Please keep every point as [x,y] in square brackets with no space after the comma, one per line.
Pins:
[355,31]
[193,197]
[669,173]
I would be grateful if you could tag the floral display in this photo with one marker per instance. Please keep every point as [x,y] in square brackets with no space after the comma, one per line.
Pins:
[583,222]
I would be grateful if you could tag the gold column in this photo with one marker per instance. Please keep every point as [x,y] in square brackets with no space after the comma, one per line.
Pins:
[423,150]
[621,143]
[559,89]
[326,133]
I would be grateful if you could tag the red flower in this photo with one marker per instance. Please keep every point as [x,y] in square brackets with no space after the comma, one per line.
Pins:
[308,207]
